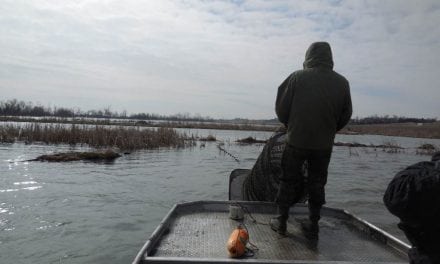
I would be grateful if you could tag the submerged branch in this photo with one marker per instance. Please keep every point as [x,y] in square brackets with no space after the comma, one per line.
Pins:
[226,152]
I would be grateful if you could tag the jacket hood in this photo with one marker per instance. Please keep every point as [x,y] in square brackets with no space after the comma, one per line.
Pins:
[319,54]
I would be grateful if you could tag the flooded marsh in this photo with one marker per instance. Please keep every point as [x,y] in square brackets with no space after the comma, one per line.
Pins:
[85,212]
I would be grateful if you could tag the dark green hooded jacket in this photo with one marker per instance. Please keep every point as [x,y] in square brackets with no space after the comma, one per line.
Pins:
[314,103]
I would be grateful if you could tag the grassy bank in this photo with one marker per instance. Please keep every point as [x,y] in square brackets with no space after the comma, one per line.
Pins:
[142,123]
[427,130]
[124,138]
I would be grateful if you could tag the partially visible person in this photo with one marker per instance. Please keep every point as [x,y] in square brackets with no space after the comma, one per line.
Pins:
[414,196]
[262,182]
[313,103]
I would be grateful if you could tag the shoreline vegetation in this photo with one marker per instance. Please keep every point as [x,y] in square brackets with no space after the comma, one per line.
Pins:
[128,138]
[110,132]
[221,125]
[411,129]
[14,110]
[109,140]
[414,130]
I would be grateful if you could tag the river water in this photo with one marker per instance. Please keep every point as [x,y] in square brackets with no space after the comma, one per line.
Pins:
[82,212]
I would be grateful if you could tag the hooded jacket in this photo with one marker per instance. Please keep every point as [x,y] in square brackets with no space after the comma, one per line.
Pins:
[314,103]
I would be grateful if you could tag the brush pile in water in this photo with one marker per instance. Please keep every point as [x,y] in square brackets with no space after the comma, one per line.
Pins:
[250,140]
[108,155]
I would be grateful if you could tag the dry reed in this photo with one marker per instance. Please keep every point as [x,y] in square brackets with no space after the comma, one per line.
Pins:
[124,138]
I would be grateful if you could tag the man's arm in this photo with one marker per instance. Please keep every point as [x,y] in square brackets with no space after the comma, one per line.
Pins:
[347,110]
[284,100]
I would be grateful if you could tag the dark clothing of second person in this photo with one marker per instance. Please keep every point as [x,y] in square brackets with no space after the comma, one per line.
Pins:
[413,195]
[313,103]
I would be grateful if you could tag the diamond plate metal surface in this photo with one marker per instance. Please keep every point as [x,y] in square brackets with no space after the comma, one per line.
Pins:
[201,234]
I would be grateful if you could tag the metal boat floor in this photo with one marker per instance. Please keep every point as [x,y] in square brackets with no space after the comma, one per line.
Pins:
[199,231]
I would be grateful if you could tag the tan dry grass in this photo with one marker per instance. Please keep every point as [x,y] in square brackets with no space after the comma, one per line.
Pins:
[427,130]
[124,138]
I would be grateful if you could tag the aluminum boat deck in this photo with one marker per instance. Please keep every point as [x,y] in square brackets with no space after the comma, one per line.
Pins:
[197,232]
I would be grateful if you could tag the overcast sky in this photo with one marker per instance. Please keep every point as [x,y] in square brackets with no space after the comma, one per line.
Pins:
[222,59]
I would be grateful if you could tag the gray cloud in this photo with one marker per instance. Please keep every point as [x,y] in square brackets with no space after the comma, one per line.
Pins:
[217,58]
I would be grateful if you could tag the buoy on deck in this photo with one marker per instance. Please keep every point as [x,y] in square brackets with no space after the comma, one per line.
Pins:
[237,242]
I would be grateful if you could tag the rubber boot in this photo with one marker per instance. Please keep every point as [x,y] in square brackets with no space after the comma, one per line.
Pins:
[310,226]
[279,223]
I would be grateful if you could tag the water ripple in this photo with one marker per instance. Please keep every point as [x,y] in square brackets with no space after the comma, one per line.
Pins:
[25,182]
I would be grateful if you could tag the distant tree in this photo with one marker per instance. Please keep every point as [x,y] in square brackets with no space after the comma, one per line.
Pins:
[63,112]
[107,112]
[39,110]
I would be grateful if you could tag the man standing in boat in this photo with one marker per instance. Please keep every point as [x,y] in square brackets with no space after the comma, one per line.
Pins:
[313,103]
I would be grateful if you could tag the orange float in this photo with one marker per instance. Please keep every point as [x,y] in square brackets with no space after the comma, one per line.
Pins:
[237,241]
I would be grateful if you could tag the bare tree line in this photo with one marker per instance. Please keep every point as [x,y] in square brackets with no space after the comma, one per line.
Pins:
[386,119]
[14,107]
